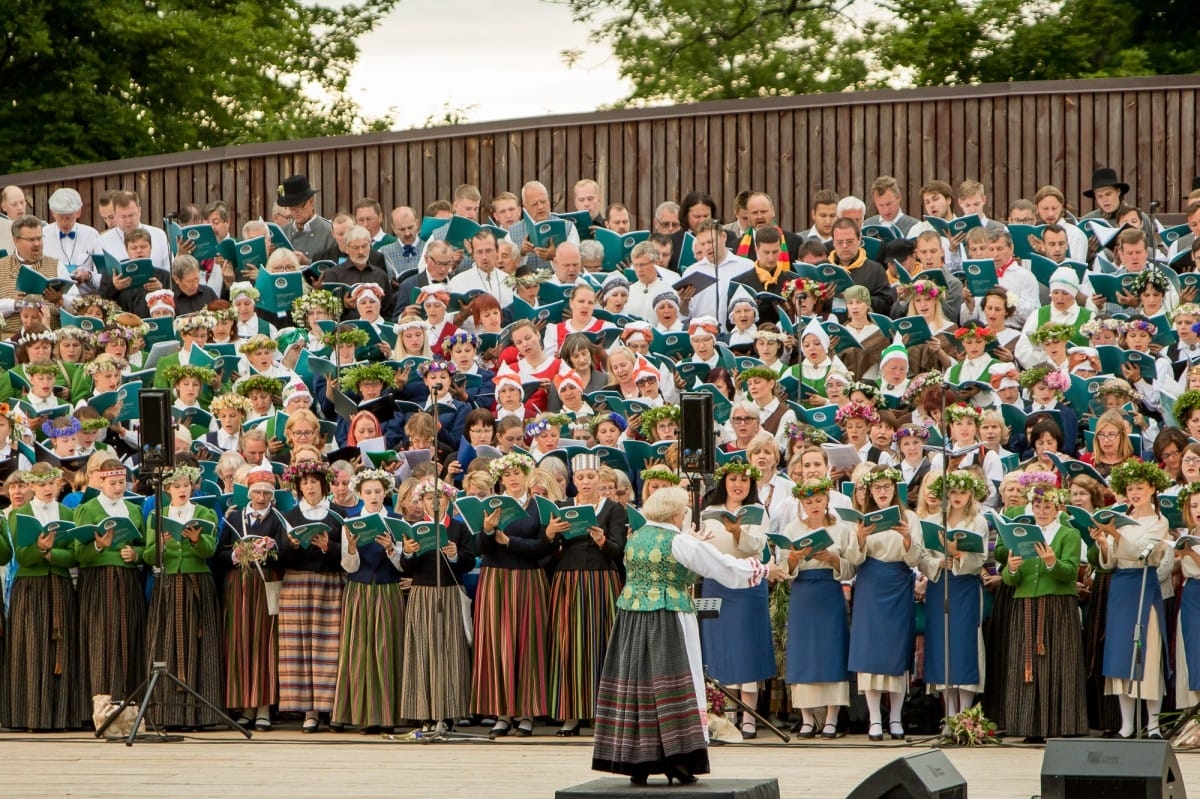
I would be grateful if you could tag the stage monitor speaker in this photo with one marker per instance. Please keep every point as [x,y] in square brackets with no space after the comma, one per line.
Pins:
[925,775]
[156,435]
[697,443]
[1099,768]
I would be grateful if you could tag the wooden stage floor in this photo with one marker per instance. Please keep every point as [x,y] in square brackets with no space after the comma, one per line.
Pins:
[286,763]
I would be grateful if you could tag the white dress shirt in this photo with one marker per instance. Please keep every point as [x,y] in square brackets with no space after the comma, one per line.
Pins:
[112,241]
[73,249]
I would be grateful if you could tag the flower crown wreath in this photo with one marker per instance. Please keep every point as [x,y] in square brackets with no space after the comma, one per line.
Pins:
[869,390]
[227,402]
[428,487]
[856,410]
[804,434]
[1091,327]
[960,410]
[737,466]
[1136,471]
[890,474]
[1149,277]
[979,333]
[807,287]
[655,415]
[922,288]
[911,431]
[1051,332]
[513,460]
[668,476]
[1142,325]
[960,480]
[293,473]
[919,383]
[812,487]
[1043,486]
[52,430]
[365,475]
[317,299]
[1054,379]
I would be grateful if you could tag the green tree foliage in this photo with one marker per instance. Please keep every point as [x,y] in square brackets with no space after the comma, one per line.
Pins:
[689,50]
[121,78]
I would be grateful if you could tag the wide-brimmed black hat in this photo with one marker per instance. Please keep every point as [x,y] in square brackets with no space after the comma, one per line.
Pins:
[1103,177]
[294,191]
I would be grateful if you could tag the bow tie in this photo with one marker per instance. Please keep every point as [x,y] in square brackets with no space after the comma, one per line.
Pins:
[62,235]
[409,250]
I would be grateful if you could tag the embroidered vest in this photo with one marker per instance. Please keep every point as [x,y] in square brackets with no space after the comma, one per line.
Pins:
[654,580]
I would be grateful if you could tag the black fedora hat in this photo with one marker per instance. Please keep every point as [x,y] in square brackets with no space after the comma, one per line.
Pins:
[294,191]
[1103,177]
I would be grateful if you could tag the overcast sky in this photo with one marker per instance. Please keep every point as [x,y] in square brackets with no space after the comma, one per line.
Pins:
[487,60]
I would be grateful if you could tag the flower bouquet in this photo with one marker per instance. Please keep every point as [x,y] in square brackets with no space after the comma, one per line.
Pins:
[253,551]
[971,728]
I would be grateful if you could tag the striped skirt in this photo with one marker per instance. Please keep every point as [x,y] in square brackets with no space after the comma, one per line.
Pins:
[647,714]
[369,656]
[1104,712]
[185,633]
[251,649]
[510,674]
[310,628]
[112,630]
[995,653]
[42,689]
[583,605]
[1044,678]
[437,659]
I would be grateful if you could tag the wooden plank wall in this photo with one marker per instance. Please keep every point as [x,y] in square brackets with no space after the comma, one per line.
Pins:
[1014,137]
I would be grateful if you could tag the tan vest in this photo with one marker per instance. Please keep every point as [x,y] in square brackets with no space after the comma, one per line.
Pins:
[9,267]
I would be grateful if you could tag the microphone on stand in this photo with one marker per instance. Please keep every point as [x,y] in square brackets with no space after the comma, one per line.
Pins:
[1147,552]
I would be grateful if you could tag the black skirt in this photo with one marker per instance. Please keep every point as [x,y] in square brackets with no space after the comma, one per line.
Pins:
[185,633]
[112,630]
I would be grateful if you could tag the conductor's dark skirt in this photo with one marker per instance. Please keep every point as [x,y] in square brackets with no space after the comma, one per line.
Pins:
[996,654]
[1045,669]
[647,714]
[42,689]
[112,630]
[1104,712]
[437,659]
[185,632]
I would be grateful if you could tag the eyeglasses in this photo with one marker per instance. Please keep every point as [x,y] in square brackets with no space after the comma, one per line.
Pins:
[742,419]
[28,238]
[304,433]
[443,264]
[1108,434]
[1191,459]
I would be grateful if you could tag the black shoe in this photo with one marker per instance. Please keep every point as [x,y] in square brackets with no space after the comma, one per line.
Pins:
[337,727]
[1154,736]
[679,774]
[523,731]
[829,732]
[569,732]
[892,727]
[875,736]
[638,779]
[805,730]
[498,731]
[1037,739]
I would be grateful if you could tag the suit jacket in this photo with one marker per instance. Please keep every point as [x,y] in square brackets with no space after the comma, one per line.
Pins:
[132,299]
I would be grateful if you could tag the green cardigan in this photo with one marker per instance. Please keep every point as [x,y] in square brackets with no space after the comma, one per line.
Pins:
[183,557]
[1033,579]
[92,512]
[30,560]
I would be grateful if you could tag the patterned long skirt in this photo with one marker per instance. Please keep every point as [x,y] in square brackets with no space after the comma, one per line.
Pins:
[370,656]
[42,689]
[251,649]
[437,659]
[112,630]
[185,633]
[583,606]
[1045,675]
[310,631]
[510,675]
[648,714]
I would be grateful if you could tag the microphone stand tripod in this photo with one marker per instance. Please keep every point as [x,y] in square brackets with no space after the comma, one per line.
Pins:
[946,571]
[154,467]
[1136,655]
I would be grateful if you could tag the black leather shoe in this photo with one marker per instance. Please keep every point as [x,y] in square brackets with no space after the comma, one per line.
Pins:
[872,735]
[829,732]
[498,731]
[805,730]
[570,732]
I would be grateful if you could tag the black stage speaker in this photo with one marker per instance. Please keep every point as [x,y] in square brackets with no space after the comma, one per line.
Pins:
[697,443]
[925,775]
[156,436]
[1098,768]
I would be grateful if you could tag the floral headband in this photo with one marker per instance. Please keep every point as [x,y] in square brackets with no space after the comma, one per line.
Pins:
[77,333]
[513,460]
[912,431]
[768,335]
[869,390]
[761,372]
[176,372]
[856,410]
[318,299]
[1136,471]
[42,335]
[805,434]
[1093,326]
[1149,277]
[428,487]
[92,425]
[43,368]
[460,337]
[73,426]
[890,474]
[293,474]
[1054,379]
[961,410]
[231,401]
[335,338]
[1186,309]
[1144,325]
[200,319]
[435,366]
[807,287]
[366,475]
[655,415]
[738,466]
[105,363]
[117,333]
[257,342]
[257,383]
[920,383]
[1051,333]
[617,419]
[51,475]
[528,280]
[922,288]
[189,473]
[811,487]
[960,480]
[979,333]
[377,372]
[668,476]
[1186,493]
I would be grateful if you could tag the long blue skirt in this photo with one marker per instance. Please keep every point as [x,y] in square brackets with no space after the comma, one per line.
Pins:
[883,625]
[818,637]
[737,646]
[1121,617]
[1189,624]
[966,614]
